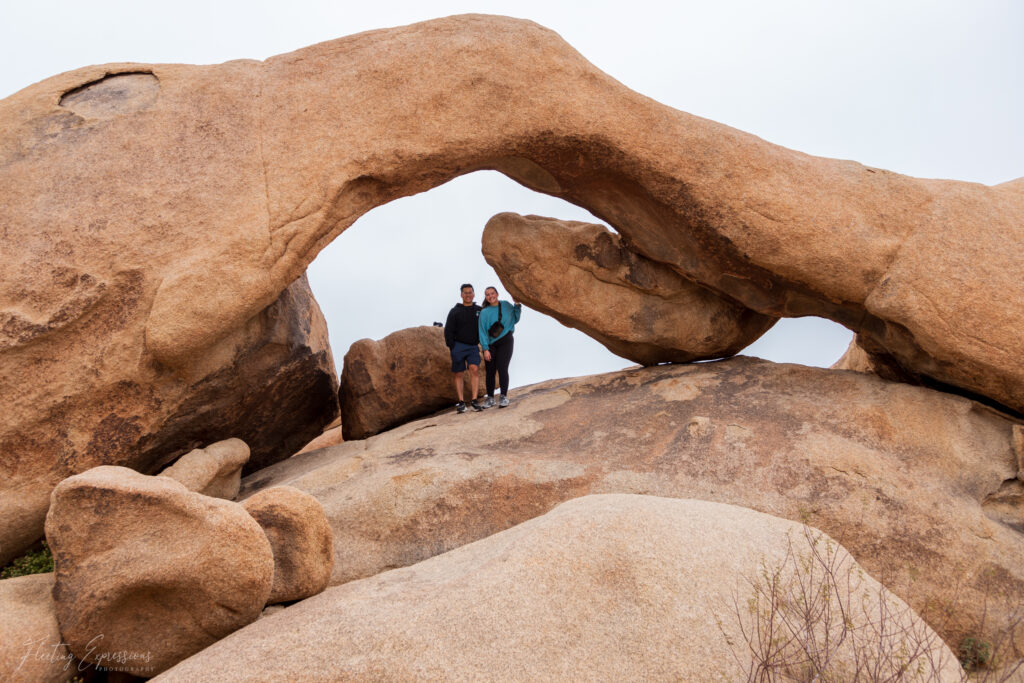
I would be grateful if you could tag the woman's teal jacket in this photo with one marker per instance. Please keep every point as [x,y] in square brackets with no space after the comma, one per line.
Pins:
[509,317]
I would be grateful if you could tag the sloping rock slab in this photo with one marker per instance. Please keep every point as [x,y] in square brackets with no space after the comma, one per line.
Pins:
[907,478]
[604,588]
[643,310]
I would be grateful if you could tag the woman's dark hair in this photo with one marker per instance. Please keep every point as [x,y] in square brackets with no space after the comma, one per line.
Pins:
[486,305]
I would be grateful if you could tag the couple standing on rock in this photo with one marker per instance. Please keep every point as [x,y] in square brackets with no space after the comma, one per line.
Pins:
[470,327]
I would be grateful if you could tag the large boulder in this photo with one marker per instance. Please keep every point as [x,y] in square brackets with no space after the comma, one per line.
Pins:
[212,471]
[918,485]
[389,381]
[31,648]
[190,197]
[150,571]
[300,538]
[85,393]
[604,588]
[586,278]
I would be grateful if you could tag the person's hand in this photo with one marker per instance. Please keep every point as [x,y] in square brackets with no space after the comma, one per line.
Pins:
[487,356]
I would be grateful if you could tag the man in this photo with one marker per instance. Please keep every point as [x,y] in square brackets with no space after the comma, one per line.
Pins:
[462,338]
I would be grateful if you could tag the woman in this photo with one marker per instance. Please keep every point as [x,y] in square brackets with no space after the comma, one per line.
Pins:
[497,321]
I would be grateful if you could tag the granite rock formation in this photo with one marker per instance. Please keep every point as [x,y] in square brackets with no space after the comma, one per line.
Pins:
[918,485]
[214,471]
[145,566]
[389,381]
[582,275]
[152,212]
[300,538]
[85,393]
[601,588]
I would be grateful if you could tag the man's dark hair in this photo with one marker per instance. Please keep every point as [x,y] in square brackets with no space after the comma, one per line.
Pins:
[464,286]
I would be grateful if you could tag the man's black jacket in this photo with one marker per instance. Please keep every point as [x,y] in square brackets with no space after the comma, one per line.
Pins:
[461,325]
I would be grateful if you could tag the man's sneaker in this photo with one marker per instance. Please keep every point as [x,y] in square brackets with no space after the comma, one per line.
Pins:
[503,401]
[489,402]
[460,407]
[476,406]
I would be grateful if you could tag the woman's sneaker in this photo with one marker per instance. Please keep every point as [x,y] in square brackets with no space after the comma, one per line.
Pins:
[460,407]
[489,402]
[503,401]
[476,406]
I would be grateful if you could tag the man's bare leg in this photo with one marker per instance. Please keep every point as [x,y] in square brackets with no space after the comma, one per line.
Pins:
[458,384]
[474,381]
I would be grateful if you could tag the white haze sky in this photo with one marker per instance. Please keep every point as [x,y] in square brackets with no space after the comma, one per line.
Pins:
[929,88]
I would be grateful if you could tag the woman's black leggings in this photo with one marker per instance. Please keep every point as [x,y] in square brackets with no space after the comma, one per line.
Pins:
[501,356]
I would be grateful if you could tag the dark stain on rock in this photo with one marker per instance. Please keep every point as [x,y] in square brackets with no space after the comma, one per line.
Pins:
[412,455]
[113,95]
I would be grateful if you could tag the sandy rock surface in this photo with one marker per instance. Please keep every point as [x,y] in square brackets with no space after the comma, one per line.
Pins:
[643,310]
[300,537]
[85,393]
[604,588]
[31,648]
[389,381]
[150,571]
[920,486]
[212,471]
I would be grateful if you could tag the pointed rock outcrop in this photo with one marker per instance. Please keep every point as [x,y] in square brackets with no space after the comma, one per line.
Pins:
[585,277]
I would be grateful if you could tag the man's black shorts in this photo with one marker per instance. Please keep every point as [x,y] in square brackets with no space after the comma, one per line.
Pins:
[464,355]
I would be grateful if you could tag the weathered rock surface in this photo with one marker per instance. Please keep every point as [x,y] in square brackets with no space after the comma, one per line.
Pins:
[643,310]
[190,197]
[212,471]
[600,588]
[858,359]
[84,392]
[145,566]
[31,649]
[330,437]
[300,538]
[405,375]
[917,484]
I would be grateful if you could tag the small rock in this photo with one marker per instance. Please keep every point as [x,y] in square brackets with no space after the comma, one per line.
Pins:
[214,471]
[405,375]
[149,571]
[300,537]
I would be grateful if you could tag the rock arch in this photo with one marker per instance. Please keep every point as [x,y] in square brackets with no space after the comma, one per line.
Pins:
[171,222]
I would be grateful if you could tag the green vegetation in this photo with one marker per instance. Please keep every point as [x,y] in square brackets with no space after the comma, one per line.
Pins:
[975,653]
[32,562]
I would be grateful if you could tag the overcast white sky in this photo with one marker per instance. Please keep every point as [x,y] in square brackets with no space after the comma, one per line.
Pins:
[928,88]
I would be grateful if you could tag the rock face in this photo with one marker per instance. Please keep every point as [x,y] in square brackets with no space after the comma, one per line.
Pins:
[148,568]
[387,382]
[917,484]
[31,649]
[600,588]
[300,537]
[85,393]
[643,310]
[190,197]
[212,471]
